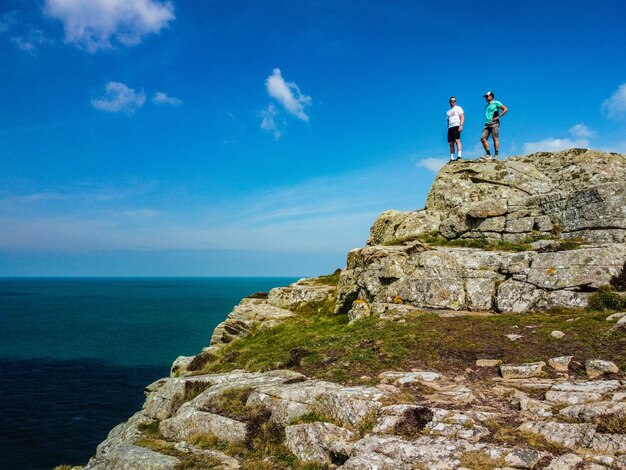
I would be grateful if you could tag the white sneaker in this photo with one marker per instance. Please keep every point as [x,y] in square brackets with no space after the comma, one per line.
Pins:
[485,157]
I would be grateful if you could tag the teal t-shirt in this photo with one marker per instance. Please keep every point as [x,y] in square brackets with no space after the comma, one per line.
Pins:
[491,109]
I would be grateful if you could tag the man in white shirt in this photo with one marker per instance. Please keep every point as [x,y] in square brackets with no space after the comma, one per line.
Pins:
[456,118]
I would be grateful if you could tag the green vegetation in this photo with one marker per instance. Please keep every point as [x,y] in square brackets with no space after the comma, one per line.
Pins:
[605,298]
[327,347]
[263,446]
[151,430]
[329,279]
[231,403]
[476,460]
[199,361]
[613,423]
[188,461]
[192,390]
[619,282]
[506,433]
[435,239]
[63,467]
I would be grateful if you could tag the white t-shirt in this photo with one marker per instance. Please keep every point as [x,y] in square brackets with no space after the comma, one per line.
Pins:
[454,116]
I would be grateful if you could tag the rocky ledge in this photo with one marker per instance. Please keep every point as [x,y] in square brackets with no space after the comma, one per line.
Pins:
[441,370]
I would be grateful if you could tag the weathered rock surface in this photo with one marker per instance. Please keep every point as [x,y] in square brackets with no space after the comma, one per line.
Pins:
[401,434]
[299,293]
[257,313]
[521,371]
[249,315]
[312,442]
[132,457]
[598,367]
[186,424]
[571,194]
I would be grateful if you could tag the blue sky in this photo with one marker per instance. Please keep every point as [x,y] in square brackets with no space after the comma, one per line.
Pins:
[152,137]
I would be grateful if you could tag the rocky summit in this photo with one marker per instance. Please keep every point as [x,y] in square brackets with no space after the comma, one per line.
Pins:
[485,331]
[531,232]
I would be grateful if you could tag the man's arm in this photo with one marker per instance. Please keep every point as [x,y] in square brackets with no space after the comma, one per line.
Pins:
[504,111]
[462,116]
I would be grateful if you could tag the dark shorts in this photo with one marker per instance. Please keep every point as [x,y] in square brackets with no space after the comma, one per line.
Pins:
[493,129]
[453,134]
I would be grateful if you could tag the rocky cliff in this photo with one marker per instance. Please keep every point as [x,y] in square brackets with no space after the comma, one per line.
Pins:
[476,333]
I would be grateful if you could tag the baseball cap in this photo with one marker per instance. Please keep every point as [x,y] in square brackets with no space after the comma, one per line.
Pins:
[489,93]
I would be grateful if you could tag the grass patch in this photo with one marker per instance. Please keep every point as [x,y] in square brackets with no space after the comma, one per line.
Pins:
[605,298]
[613,423]
[151,430]
[263,448]
[192,390]
[476,460]
[618,282]
[317,307]
[198,362]
[188,461]
[506,433]
[435,239]
[340,352]
[231,403]
[329,279]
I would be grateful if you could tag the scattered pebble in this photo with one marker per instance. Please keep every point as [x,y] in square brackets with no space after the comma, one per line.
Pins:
[557,334]
[514,337]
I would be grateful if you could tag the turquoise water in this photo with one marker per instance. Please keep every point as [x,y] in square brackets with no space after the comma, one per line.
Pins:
[75,354]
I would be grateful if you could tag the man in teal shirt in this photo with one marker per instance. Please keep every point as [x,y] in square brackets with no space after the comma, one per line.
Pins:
[494,110]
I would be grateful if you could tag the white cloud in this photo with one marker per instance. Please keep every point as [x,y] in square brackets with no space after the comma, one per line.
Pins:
[615,106]
[554,145]
[287,94]
[7,21]
[31,40]
[163,98]
[119,98]
[433,164]
[268,121]
[321,215]
[93,24]
[581,131]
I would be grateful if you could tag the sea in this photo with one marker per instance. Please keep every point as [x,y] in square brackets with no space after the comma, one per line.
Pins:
[76,354]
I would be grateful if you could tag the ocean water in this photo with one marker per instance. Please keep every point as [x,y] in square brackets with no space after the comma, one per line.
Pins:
[75,354]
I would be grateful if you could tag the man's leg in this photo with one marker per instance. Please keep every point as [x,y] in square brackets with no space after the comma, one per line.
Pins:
[459,147]
[485,141]
[496,140]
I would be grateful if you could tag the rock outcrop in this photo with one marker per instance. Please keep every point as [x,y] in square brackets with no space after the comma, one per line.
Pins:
[528,233]
[562,213]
